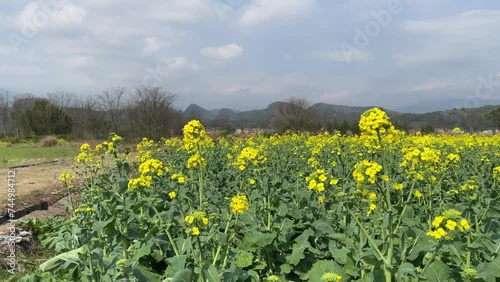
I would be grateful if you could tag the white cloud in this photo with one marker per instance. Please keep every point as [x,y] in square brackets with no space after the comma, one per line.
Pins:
[77,61]
[347,56]
[153,45]
[5,50]
[19,70]
[463,38]
[265,11]
[37,15]
[431,85]
[181,11]
[223,53]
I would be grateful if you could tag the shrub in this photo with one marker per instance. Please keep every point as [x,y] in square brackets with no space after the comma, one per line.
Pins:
[49,141]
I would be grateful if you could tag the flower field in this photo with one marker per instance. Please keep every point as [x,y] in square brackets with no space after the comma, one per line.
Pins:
[382,206]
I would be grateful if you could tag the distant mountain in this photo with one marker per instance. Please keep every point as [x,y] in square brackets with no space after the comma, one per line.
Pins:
[472,119]
[447,104]
[194,111]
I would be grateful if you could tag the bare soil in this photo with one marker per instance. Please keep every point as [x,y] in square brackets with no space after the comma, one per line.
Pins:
[35,184]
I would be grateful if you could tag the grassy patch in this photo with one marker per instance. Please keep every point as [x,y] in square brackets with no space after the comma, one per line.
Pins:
[28,261]
[11,155]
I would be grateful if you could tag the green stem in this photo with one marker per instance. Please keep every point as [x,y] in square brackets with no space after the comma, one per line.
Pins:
[174,246]
[219,248]
[226,255]
[268,212]
[433,256]
[200,175]
[368,237]
[200,262]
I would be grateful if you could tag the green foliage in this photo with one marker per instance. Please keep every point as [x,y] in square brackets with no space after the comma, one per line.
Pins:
[292,230]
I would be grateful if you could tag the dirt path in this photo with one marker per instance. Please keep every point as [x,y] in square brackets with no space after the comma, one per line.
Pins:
[33,185]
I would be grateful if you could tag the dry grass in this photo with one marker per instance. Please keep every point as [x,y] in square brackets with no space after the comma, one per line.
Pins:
[34,183]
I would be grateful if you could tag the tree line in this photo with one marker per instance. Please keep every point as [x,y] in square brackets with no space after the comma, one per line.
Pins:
[142,112]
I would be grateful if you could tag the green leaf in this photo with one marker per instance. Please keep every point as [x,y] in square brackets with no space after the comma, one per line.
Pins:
[145,274]
[424,243]
[244,259]
[176,264]
[325,266]
[212,274]
[54,263]
[323,227]
[437,272]
[184,275]
[489,270]
[298,248]
[340,255]
[404,269]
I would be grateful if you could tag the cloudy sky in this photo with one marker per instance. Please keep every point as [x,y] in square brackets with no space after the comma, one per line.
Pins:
[246,54]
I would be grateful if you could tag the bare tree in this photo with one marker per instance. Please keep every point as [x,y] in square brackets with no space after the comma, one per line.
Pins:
[151,112]
[294,114]
[62,99]
[21,104]
[88,121]
[5,97]
[112,101]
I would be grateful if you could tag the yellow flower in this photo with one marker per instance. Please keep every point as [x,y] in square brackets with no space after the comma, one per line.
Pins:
[172,194]
[398,186]
[321,199]
[464,224]
[205,220]
[181,179]
[239,204]
[320,187]
[312,184]
[88,209]
[385,178]
[322,178]
[189,219]
[196,231]
[437,221]
[372,208]
[372,196]
[334,181]
[251,181]
[418,194]
[451,224]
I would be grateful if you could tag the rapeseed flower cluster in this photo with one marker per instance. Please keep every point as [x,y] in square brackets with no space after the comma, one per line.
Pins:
[86,154]
[471,184]
[317,180]
[144,149]
[366,168]
[373,198]
[373,121]
[195,137]
[66,178]
[376,127]
[421,163]
[198,219]
[248,156]
[448,221]
[496,173]
[196,160]
[179,177]
[147,169]
[239,204]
